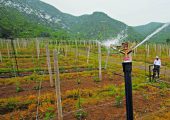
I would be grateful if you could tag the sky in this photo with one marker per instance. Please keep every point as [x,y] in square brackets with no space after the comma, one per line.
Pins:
[131,12]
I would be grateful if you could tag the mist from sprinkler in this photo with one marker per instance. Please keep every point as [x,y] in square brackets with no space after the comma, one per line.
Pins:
[117,40]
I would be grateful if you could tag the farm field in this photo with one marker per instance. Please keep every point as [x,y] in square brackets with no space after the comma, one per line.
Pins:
[30,72]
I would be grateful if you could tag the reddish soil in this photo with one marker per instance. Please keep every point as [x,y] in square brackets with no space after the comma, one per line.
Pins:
[145,101]
[70,84]
[142,107]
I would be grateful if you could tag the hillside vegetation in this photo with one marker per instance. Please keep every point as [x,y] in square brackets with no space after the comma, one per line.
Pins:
[34,18]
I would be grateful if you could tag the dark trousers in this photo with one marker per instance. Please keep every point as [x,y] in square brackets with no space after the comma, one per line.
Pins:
[156,70]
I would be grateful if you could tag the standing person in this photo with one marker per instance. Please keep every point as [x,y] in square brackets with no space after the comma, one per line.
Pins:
[157,65]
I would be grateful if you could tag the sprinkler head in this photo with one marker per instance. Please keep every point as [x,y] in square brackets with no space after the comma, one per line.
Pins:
[126,51]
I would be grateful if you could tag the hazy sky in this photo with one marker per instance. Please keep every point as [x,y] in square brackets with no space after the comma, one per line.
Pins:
[131,12]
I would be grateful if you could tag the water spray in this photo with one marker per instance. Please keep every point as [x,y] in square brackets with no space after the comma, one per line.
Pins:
[151,35]
[116,41]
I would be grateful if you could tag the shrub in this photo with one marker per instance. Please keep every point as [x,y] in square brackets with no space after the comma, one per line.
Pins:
[90,67]
[32,107]
[145,96]
[119,100]
[163,85]
[87,93]
[111,90]
[72,94]
[33,77]
[110,75]
[37,87]
[11,106]
[49,114]
[96,79]
[62,69]
[136,87]
[78,81]
[81,114]
[18,88]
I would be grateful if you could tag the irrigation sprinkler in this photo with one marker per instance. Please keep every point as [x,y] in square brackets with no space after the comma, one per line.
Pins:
[127,68]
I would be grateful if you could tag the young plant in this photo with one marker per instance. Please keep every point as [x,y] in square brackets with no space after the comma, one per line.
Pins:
[96,79]
[119,97]
[18,88]
[49,115]
[37,87]
[163,85]
[81,114]
[119,100]
[72,94]
[34,77]
[78,81]
[62,69]
[145,96]
[90,67]
[111,90]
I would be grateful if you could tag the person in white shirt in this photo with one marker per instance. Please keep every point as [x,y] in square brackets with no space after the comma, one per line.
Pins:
[157,65]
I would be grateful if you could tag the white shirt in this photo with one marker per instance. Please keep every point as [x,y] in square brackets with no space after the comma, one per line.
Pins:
[157,62]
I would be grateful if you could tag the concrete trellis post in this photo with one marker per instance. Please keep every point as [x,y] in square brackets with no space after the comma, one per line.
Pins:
[99,59]
[88,54]
[66,50]
[15,45]
[148,50]
[59,47]
[96,44]
[49,66]
[146,46]
[18,43]
[25,44]
[155,47]
[84,43]
[0,56]
[160,50]
[134,54]
[57,86]
[107,58]
[167,50]
[76,50]
[38,48]
[8,49]
[1,43]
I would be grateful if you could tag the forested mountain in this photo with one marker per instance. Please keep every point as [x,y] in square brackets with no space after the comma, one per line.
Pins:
[34,18]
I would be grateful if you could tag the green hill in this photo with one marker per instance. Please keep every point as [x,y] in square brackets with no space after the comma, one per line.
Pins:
[34,18]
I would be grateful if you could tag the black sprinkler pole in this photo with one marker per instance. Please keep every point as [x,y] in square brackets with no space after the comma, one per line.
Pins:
[127,69]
